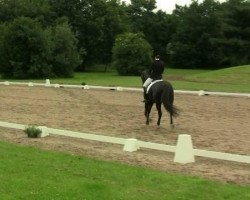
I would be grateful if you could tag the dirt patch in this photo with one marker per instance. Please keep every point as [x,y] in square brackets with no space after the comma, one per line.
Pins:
[215,123]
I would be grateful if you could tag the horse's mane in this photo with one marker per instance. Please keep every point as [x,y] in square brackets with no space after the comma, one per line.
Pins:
[144,75]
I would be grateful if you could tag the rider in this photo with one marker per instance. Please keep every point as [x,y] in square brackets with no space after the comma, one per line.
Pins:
[155,73]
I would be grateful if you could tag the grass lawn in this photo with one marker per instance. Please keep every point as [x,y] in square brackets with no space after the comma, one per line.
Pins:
[234,79]
[30,173]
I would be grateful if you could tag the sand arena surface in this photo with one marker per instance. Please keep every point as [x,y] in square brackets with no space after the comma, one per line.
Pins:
[215,123]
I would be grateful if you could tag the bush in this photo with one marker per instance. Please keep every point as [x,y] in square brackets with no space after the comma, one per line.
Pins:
[32,131]
[28,50]
[131,54]
[2,30]
[65,57]
[25,50]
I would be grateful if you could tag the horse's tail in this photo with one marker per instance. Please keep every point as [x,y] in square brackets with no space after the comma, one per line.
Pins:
[168,100]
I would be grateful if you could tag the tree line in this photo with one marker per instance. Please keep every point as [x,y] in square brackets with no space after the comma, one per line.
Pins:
[54,38]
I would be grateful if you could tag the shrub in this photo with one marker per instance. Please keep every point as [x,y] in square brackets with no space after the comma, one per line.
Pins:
[29,50]
[131,54]
[25,50]
[32,131]
[65,57]
[2,30]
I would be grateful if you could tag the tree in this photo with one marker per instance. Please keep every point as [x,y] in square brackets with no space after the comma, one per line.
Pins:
[36,9]
[115,22]
[131,54]
[25,50]
[96,24]
[236,32]
[160,31]
[2,33]
[30,51]
[158,27]
[65,57]
[193,45]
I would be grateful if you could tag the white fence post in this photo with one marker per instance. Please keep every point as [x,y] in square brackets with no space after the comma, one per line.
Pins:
[6,83]
[44,130]
[47,83]
[86,87]
[184,150]
[131,145]
[201,93]
[119,89]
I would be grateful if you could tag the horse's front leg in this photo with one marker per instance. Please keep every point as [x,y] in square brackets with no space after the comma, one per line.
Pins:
[158,106]
[148,107]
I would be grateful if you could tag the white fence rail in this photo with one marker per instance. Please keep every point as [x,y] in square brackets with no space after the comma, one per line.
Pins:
[222,156]
[12,125]
[184,152]
[47,84]
[87,136]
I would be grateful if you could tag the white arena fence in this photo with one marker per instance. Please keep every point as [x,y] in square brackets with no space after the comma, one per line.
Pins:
[118,88]
[184,152]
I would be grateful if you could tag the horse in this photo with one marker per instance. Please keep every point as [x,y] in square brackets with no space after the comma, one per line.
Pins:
[159,92]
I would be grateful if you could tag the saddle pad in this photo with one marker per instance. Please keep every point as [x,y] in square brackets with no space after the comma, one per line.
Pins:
[152,83]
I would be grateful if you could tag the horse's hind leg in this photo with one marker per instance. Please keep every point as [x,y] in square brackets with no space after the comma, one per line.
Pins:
[171,122]
[148,107]
[171,119]
[158,106]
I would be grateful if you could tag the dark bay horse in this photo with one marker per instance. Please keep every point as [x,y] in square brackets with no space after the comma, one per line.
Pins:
[159,93]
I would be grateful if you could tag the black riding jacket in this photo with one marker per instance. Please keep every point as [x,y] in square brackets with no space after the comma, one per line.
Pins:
[157,70]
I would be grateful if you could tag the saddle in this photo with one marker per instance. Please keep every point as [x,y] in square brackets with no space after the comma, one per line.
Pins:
[152,83]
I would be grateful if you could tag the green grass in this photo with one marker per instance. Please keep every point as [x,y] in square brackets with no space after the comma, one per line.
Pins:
[233,75]
[30,173]
[234,79]
[169,72]
[110,78]
[102,78]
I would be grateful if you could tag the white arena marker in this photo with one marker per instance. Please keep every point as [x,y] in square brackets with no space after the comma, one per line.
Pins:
[6,83]
[30,84]
[44,130]
[184,152]
[131,145]
[47,83]
[86,87]
[119,89]
[201,93]
[57,86]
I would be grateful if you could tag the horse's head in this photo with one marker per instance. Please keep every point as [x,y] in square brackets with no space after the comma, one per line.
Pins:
[144,75]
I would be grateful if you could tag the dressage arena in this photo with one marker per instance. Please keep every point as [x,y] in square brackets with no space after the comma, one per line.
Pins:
[216,123]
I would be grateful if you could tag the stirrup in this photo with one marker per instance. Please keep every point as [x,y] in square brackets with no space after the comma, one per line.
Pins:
[145,101]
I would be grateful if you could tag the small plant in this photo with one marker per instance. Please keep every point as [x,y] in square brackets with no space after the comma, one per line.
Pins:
[32,131]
